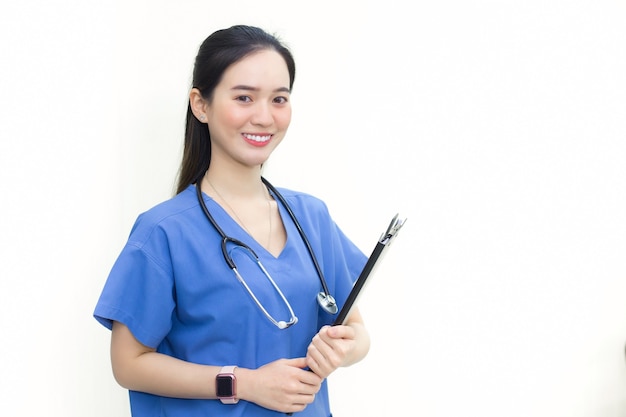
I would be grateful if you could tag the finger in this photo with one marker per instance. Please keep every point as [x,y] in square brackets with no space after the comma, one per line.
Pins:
[338,332]
[316,351]
[296,362]
[311,378]
[313,366]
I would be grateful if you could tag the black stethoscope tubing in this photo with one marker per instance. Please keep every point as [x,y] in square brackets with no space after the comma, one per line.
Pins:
[305,239]
[326,301]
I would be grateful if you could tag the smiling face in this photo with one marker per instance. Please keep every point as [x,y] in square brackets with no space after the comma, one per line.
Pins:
[249,111]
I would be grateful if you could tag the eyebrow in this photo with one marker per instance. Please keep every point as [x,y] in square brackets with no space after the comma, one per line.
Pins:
[249,88]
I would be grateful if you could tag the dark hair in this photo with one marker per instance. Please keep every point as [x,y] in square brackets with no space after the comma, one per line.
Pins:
[219,51]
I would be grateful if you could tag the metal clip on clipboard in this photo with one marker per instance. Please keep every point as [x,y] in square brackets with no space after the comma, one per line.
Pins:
[377,254]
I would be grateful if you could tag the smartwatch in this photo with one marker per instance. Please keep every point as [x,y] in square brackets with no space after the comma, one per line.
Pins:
[226,385]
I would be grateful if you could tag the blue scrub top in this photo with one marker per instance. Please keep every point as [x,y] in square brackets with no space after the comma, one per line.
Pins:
[173,289]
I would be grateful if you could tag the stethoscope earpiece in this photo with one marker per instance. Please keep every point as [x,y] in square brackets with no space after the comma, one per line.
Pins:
[327,302]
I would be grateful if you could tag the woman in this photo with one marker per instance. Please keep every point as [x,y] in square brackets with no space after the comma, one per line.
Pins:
[189,336]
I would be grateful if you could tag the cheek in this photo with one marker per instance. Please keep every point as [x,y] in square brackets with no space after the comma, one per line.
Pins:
[235,117]
[283,119]
[227,116]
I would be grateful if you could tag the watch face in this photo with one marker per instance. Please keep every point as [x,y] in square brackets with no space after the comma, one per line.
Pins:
[225,386]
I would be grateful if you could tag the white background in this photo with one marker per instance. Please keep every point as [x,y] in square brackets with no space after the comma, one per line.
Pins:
[497,127]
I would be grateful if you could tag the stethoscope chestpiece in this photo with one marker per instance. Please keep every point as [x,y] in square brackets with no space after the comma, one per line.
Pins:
[327,302]
[282,324]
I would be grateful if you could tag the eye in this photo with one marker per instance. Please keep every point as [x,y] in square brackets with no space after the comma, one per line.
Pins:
[245,99]
[280,100]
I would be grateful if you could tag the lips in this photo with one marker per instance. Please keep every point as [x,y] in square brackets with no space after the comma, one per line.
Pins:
[257,140]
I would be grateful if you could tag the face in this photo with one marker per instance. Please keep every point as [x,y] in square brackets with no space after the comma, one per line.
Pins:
[250,110]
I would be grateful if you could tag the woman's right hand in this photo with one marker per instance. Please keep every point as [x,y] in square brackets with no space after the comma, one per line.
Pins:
[283,385]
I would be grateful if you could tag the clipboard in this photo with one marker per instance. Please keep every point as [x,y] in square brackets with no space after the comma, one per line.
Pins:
[370,266]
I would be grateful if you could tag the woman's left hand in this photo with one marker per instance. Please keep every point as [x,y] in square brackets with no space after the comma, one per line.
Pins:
[330,349]
[335,346]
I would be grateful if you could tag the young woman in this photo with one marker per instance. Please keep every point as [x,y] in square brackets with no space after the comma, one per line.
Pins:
[216,304]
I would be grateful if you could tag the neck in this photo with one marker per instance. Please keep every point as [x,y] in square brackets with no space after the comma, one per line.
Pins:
[249,203]
[235,185]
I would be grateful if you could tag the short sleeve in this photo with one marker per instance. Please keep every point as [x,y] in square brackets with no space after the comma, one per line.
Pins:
[139,292]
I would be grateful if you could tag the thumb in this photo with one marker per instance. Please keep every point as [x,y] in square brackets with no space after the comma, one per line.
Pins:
[297,362]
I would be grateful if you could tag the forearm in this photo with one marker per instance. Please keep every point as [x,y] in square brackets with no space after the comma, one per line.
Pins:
[281,385]
[139,368]
[166,376]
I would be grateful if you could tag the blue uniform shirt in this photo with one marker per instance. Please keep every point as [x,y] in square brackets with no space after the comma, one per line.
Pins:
[173,289]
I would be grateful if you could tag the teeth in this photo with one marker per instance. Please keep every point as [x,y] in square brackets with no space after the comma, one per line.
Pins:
[258,138]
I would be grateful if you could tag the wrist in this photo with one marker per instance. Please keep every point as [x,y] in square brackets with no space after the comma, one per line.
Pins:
[243,382]
[226,385]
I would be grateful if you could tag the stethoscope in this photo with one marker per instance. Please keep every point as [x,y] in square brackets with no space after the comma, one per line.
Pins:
[325,300]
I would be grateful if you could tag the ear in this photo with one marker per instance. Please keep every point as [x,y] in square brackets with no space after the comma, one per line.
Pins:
[198,105]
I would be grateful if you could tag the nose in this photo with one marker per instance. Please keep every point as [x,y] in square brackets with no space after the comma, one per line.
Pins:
[262,115]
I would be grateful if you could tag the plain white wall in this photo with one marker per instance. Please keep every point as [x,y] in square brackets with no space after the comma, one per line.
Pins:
[496,127]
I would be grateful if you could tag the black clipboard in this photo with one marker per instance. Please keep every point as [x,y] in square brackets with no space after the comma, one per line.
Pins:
[370,266]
